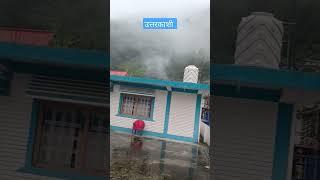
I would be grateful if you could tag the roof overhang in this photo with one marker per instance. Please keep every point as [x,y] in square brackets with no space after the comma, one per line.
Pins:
[265,84]
[75,58]
[262,77]
[63,62]
[160,84]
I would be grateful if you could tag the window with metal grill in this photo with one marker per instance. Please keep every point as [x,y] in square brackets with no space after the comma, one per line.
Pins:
[136,105]
[71,137]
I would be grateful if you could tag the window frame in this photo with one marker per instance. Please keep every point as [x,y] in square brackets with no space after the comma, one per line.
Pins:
[133,116]
[83,136]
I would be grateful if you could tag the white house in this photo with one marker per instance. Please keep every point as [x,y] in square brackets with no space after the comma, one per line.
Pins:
[255,120]
[170,109]
[255,108]
[54,121]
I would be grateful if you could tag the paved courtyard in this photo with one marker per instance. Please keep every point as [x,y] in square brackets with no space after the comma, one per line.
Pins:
[153,159]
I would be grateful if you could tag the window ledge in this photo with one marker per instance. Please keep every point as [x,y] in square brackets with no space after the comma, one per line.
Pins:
[58,174]
[135,117]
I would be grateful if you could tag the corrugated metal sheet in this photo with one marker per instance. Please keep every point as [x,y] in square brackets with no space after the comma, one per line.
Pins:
[71,90]
[15,113]
[182,114]
[241,151]
[118,73]
[26,36]
[136,90]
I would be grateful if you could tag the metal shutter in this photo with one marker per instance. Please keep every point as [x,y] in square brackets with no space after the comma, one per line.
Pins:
[136,90]
[68,90]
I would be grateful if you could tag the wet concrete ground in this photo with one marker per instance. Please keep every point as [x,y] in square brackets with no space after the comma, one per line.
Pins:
[152,159]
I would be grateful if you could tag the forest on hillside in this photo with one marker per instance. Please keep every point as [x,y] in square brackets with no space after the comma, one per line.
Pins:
[162,54]
[76,23]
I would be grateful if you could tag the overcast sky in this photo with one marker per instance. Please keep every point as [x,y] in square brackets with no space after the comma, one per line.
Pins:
[144,8]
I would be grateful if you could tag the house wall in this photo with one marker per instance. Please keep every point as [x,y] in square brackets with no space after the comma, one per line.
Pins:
[244,138]
[15,115]
[205,132]
[181,122]
[158,115]
[182,114]
[15,140]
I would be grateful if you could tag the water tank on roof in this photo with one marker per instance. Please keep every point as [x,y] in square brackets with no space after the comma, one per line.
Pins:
[259,41]
[191,74]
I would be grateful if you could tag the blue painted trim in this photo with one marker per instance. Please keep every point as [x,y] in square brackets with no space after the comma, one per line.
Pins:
[48,55]
[120,104]
[265,77]
[28,168]
[148,86]
[63,72]
[247,92]
[185,90]
[152,107]
[135,117]
[153,134]
[178,138]
[159,83]
[197,119]
[32,130]
[282,141]
[167,113]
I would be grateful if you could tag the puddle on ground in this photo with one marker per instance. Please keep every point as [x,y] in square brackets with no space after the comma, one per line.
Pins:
[152,159]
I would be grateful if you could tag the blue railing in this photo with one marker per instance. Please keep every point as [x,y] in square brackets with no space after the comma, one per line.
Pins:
[206,118]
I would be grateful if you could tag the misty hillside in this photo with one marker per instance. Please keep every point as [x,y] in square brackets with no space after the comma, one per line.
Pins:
[83,24]
[161,54]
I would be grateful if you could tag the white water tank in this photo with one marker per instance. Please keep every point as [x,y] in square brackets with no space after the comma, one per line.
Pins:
[191,74]
[259,41]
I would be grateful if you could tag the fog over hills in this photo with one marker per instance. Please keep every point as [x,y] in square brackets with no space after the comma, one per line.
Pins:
[161,53]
